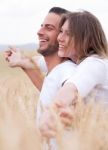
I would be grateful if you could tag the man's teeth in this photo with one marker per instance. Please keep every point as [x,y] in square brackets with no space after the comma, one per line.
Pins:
[43,40]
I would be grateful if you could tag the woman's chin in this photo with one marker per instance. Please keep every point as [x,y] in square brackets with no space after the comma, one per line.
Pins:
[61,54]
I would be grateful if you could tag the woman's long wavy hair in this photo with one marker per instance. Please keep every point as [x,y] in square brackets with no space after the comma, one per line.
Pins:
[88,34]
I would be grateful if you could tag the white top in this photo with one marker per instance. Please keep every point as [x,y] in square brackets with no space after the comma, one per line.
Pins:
[92,78]
[40,61]
[52,82]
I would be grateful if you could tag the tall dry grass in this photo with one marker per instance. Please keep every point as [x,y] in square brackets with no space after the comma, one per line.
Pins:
[18,99]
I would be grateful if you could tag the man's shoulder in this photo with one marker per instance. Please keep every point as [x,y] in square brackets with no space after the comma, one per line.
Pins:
[66,68]
[67,65]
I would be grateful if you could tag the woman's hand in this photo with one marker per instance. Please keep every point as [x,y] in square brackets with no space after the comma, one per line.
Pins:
[61,110]
[54,120]
[65,102]
[66,96]
[66,116]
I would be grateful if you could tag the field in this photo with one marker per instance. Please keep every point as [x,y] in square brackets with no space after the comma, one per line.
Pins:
[18,99]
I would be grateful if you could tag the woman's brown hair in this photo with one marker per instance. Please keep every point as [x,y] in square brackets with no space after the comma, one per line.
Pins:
[88,34]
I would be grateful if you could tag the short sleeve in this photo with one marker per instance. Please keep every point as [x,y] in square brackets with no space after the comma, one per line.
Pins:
[90,73]
[66,71]
[40,61]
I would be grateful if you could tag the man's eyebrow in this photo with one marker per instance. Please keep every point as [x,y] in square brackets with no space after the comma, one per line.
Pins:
[49,25]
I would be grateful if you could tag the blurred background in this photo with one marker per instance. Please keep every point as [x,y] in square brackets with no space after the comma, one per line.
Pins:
[21,19]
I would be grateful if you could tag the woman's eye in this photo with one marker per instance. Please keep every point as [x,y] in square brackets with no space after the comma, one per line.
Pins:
[67,33]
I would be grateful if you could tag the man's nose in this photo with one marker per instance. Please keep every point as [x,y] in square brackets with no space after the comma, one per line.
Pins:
[40,31]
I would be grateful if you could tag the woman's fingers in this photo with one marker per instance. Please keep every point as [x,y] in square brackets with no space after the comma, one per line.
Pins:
[66,116]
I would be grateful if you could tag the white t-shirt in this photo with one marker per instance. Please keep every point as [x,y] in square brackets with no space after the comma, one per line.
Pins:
[40,61]
[52,82]
[91,77]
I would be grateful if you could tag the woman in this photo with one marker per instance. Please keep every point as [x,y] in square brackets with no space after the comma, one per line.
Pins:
[82,39]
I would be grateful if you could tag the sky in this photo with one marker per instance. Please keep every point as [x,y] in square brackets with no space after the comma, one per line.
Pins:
[21,19]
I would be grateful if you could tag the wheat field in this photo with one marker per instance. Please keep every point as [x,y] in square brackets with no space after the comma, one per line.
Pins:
[18,99]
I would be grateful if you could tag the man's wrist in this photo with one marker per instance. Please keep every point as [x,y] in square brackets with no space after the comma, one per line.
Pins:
[28,63]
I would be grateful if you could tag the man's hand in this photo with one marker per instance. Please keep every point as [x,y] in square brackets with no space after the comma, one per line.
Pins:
[47,125]
[14,57]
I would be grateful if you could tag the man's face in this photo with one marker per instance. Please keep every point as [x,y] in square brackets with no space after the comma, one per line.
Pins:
[47,35]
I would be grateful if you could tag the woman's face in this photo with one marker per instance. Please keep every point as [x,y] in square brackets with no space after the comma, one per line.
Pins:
[66,48]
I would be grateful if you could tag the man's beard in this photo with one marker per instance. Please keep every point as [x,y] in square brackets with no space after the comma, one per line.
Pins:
[52,49]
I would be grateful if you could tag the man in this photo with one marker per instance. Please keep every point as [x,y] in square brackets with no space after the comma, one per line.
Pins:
[48,48]
[59,69]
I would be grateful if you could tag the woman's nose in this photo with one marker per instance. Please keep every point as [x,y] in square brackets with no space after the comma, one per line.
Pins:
[60,37]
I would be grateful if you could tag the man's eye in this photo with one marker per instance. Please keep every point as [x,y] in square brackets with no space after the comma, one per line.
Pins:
[61,31]
[49,28]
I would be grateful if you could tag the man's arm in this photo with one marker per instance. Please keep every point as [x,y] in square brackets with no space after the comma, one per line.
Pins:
[33,71]
[36,77]
[16,59]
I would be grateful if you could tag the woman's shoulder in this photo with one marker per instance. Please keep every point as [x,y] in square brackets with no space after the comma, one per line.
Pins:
[93,63]
[95,58]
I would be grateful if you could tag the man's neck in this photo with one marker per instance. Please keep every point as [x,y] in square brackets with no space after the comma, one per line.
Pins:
[52,61]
